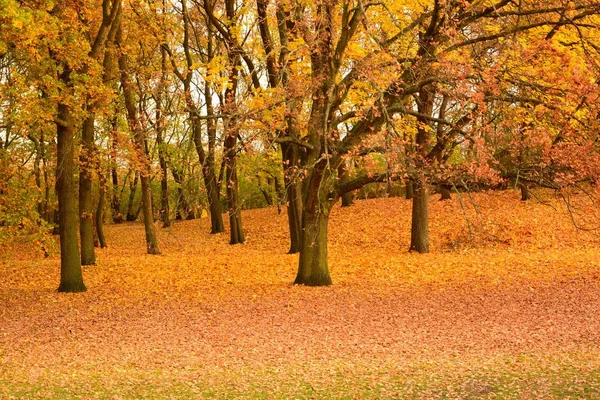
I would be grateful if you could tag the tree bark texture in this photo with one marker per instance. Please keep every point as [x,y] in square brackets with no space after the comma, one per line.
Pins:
[71,277]
[86,212]
[419,234]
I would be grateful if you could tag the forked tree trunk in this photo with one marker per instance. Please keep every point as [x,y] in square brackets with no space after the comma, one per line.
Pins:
[71,277]
[419,233]
[86,212]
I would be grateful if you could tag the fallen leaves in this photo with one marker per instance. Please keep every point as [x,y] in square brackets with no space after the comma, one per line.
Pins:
[209,319]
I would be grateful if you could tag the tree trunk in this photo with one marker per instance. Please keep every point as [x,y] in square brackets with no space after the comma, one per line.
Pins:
[445,193]
[347,198]
[151,239]
[419,235]
[235,216]
[182,204]
[141,150]
[117,217]
[294,200]
[312,268]
[160,127]
[409,189]
[71,277]
[86,227]
[100,213]
[525,195]
[131,215]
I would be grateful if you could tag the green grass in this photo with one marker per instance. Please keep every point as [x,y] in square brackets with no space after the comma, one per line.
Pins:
[514,377]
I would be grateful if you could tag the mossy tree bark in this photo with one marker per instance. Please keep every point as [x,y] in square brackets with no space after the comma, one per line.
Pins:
[313,268]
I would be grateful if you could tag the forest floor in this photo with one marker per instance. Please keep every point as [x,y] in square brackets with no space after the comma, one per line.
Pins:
[507,305]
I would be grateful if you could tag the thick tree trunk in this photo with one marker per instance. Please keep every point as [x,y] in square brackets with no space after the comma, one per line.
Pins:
[131,215]
[100,214]
[419,235]
[313,269]
[71,277]
[86,226]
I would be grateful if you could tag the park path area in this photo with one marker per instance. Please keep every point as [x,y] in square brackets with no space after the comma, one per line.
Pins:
[501,308]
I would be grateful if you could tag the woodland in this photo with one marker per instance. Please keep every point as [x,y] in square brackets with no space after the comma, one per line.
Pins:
[299,198]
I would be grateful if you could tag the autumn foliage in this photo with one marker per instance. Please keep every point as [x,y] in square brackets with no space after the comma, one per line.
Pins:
[505,306]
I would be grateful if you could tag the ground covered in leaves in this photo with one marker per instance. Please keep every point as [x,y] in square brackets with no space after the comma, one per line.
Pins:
[505,306]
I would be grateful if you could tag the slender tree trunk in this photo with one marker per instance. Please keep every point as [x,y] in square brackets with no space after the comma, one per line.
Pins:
[445,193]
[151,239]
[182,204]
[131,215]
[117,217]
[86,227]
[71,277]
[294,199]
[139,143]
[160,127]
[525,195]
[419,235]
[235,215]
[47,186]
[100,213]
